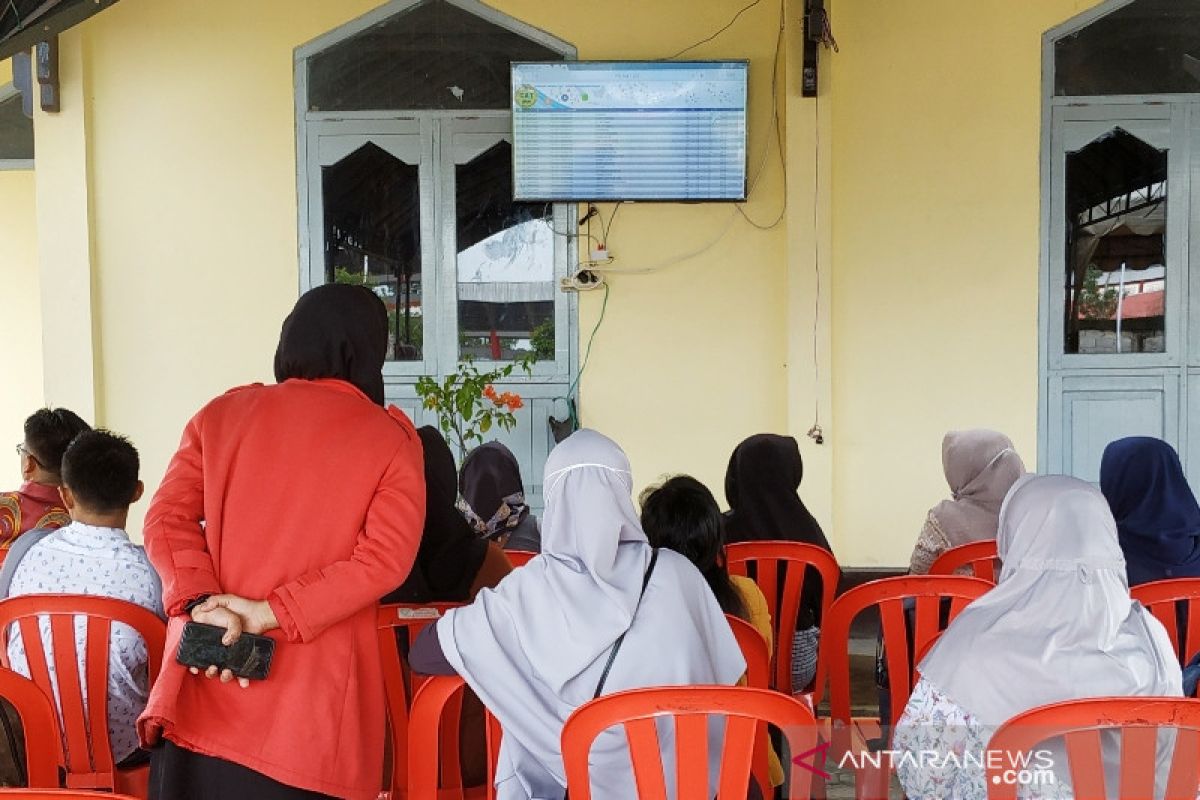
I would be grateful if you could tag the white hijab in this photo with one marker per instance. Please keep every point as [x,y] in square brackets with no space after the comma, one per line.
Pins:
[534,647]
[1060,623]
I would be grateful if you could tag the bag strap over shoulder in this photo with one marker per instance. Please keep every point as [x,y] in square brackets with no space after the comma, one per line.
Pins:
[612,655]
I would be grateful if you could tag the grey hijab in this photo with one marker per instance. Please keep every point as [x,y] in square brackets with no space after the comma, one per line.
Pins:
[1060,624]
[980,466]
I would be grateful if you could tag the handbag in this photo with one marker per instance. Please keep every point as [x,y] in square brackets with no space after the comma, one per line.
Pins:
[612,655]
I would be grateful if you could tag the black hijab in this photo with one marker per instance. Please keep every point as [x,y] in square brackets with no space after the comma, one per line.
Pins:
[761,484]
[450,554]
[492,491]
[336,331]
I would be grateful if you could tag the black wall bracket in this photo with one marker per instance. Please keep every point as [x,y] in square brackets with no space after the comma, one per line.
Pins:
[816,28]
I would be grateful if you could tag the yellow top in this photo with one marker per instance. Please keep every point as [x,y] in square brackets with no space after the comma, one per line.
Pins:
[756,608]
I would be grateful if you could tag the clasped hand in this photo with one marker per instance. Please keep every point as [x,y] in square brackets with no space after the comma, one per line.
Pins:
[237,615]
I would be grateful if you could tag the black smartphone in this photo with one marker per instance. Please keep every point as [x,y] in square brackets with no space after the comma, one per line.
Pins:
[249,657]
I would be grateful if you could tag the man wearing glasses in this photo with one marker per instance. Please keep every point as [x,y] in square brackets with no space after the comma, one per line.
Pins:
[37,504]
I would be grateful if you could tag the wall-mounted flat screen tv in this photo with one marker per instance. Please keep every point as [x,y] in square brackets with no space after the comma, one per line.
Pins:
[629,130]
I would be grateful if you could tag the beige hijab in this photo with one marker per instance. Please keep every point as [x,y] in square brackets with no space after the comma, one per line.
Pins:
[980,466]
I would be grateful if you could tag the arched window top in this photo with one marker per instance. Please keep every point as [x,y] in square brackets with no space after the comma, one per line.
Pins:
[432,55]
[1144,47]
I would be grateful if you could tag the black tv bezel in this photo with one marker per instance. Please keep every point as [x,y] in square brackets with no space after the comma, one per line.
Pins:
[687,200]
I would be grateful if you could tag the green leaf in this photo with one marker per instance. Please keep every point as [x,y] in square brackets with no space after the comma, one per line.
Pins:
[485,424]
[445,423]
[464,402]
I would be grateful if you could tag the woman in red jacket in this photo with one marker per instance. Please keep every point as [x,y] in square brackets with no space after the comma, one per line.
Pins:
[288,510]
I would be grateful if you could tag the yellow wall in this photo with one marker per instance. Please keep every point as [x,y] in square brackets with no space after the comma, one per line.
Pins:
[936,117]
[20,312]
[194,229]
[927,232]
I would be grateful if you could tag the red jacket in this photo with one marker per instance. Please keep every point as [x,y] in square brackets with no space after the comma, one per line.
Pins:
[34,505]
[308,495]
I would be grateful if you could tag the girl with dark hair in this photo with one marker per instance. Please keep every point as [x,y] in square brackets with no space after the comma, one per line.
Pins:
[289,510]
[682,515]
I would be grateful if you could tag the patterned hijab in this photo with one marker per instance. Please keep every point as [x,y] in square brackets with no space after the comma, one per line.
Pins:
[493,496]
[980,466]
[1158,519]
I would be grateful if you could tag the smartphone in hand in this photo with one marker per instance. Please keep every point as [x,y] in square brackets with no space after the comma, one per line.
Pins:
[249,657]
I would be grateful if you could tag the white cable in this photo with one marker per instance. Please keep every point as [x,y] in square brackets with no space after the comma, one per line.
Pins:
[670,262]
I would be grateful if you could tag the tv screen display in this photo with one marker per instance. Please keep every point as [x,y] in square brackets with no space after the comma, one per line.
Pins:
[625,130]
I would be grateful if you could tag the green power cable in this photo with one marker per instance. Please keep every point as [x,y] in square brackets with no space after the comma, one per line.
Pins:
[587,354]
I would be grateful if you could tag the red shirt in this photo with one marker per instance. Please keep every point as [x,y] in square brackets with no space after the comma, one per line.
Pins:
[313,498]
[34,505]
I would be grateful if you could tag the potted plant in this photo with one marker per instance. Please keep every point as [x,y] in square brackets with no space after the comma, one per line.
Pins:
[467,404]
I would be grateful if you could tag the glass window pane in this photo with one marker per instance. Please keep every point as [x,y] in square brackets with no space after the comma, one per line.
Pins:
[434,55]
[505,264]
[16,131]
[1146,47]
[373,238]
[1116,226]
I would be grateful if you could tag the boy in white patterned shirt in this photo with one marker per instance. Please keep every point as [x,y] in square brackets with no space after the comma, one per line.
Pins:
[94,556]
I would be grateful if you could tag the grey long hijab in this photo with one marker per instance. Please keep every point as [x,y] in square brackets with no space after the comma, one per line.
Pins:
[980,466]
[533,648]
[1060,624]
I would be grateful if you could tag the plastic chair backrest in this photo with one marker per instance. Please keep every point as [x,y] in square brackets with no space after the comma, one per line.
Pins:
[60,794]
[88,759]
[39,723]
[435,708]
[1172,602]
[783,602]
[1080,722]
[758,676]
[754,650]
[744,710]
[399,683]
[519,558]
[979,556]
[928,593]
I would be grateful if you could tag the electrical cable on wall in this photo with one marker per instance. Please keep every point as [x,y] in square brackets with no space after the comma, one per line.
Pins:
[815,432]
[719,31]
[738,209]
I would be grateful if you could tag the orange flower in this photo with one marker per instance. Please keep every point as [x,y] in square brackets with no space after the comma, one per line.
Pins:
[512,400]
[490,393]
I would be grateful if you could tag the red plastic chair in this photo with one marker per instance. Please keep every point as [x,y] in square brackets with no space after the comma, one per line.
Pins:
[1135,719]
[744,710]
[519,558]
[434,708]
[754,650]
[39,723]
[758,676]
[784,602]
[928,593]
[88,759]
[980,556]
[400,685]
[1170,601]
[61,794]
